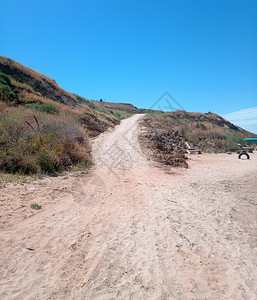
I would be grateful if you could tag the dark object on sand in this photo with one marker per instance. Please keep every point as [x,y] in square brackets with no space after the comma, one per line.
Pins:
[244,153]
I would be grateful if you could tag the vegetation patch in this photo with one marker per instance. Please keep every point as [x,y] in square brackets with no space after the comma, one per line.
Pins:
[208,132]
[33,142]
[81,100]
[35,206]
[104,116]
[6,92]
[43,107]
[117,115]
[91,105]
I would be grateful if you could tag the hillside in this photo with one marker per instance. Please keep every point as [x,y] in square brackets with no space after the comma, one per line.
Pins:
[206,131]
[44,128]
[20,85]
[27,84]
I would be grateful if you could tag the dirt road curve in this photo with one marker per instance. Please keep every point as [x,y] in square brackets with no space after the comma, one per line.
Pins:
[129,230]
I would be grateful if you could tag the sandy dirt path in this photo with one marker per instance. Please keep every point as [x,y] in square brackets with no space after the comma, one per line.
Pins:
[129,230]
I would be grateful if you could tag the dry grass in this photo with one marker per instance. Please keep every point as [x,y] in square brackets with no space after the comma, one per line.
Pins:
[208,132]
[36,142]
[38,76]
[34,83]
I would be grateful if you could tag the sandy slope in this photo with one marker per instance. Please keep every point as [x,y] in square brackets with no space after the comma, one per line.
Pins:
[128,230]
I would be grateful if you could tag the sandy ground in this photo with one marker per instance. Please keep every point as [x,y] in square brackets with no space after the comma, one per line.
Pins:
[130,230]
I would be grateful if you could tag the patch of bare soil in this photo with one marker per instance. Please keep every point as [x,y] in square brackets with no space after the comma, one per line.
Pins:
[132,231]
[162,144]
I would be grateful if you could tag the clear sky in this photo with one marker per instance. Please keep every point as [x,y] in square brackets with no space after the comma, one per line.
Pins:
[203,52]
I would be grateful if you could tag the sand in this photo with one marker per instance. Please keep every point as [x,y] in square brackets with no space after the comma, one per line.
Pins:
[130,230]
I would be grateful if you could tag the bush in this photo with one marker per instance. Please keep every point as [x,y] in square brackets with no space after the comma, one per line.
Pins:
[91,105]
[5,87]
[43,107]
[33,142]
[35,206]
[117,115]
[105,117]
[5,79]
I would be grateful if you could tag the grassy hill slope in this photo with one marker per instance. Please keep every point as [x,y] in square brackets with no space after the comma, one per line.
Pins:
[207,131]
[23,86]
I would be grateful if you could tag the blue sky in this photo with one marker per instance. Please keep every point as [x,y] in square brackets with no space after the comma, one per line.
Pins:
[202,52]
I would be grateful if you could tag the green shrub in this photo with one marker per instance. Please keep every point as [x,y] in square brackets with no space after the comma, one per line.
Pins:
[80,99]
[48,163]
[5,88]
[7,91]
[35,206]
[105,117]
[5,79]
[91,105]
[117,115]
[43,107]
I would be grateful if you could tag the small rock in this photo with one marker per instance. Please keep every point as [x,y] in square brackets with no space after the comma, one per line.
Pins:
[33,188]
